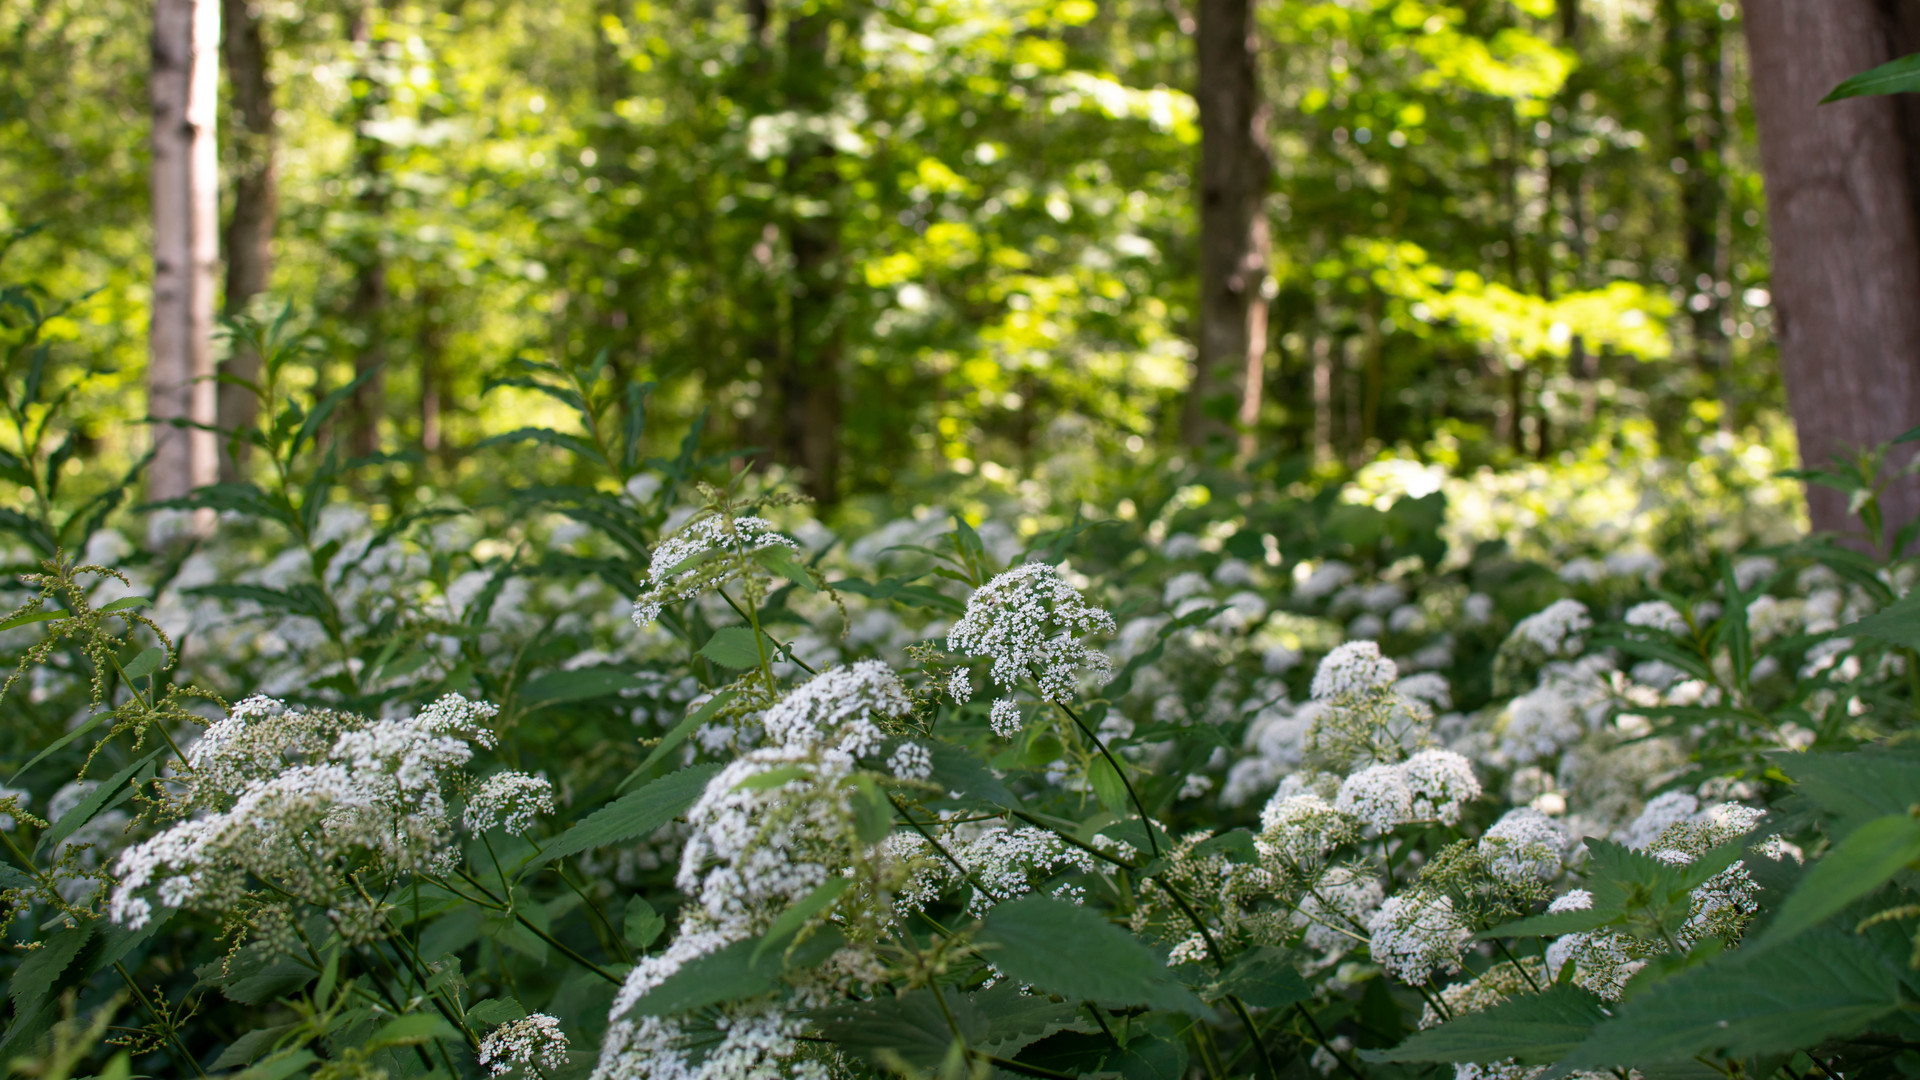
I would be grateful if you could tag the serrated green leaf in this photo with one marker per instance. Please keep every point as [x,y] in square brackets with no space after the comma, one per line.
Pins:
[633,814]
[1016,1019]
[910,1029]
[1533,1029]
[1235,844]
[642,925]
[1900,76]
[1266,977]
[1108,786]
[733,973]
[1822,985]
[95,801]
[40,969]
[1898,623]
[780,560]
[146,663]
[281,1066]
[1072,951]
[734,647]
[248,1047]
[126,603]
[1858,786]
[413,1029]
[499,1010]
[1867,859]
[687,726]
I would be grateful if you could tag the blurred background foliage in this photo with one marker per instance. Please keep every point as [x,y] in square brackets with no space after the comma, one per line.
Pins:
[899,245]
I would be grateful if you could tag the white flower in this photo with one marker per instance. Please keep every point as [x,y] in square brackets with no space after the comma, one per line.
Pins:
[960,686]
[1440,782]
[1377,795]
[1301,827]
[509,799]
[1029,621]
[910,761]
[1314,582]
[536,1041]
[1009,861]
[1337,910]
[1004,718]
[1557,629]
[1429,687]
[1657,615]
[1523,847]
[841,708]
[702,556]
[1195,785]
[1354,668]
[1660,812]
[1415,935]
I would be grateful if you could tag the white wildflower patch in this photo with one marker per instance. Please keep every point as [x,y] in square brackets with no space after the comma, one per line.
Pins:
[1301,828]
[910,761]
[1029,621]
[704,555]
[1011,862]
[1337,910]
[1354,668]
[509,800]
[1416,935]
[1657,615]
[1440,783]
[848,710]
[1558,629]
[292,799]
[1524,847]
[1377,795]
[535,1043]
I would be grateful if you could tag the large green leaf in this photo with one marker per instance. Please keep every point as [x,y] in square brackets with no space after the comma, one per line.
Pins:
[734,647]
[1265,977]
[910,1029]
[1822,985]
[1016,1019]
[1867,859]
[1534,1029]
[1072,951]
[741,970]
[1900,76]
[1898,622]
[34,979]
[673,738]
[633,814]
[97,800]
[1856,787]
[581,684]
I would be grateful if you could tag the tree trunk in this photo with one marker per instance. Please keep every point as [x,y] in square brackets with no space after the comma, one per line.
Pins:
[1846,254]
[256,205]
[186,221]
[1691,53]
[1235,167]
[811,381]
[367,303]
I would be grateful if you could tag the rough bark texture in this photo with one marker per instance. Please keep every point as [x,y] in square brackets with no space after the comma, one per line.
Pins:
[256,203]
[1235,167]
[184,87]
[1846,257]
[811,382]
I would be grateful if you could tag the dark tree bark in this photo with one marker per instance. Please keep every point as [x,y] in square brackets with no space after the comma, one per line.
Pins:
[256,203]
[811,380]
[184,87]
[367,302]
[1236,166]
[1846,254]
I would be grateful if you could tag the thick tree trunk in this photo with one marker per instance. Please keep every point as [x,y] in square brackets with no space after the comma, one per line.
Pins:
[1846,254]
[367,303]
[811,382]
[1235,167]
[256,204]
[186,250]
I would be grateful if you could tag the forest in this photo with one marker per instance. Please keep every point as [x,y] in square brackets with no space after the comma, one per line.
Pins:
[960,539]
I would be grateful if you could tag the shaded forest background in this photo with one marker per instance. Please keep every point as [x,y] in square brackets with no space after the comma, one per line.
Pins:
[882,242]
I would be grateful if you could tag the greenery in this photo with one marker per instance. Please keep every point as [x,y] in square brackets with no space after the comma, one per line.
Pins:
[543,714]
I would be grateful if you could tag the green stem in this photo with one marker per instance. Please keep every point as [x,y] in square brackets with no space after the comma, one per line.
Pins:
[1146,820]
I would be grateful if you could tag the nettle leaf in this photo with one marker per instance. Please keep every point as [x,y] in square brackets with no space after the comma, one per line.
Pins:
[1822,985]
[642,925]
[910,1029]
[780,560]
[1016,1020]
[735,647]
[34,979]
[1265,977]
[1235,844]
[673,738]
[1859,786]
[633,814]
[146,663]
[1868,858]
[793,918]
[1072,951]
[109,792]
[248,1047]
[500,1010]
[1534,1030]
[733,973]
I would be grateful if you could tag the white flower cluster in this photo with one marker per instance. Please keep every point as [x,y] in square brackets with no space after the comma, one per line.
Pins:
[1008,862]
[1657,615]
[509,800]
[1558,629]
[770,828]
[701,556]
[1415,935]
[294,797]
[1354,668]
[1524,847]
[1029,621]
[1432,785]
[535,1042]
